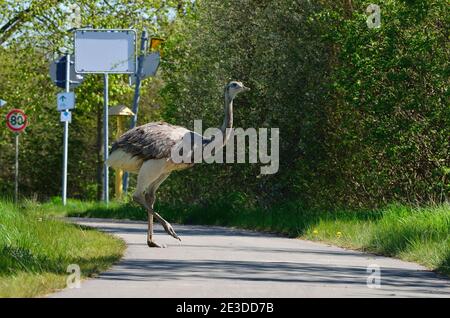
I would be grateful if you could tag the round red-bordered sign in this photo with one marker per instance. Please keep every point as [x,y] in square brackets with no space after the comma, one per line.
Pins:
[16,120]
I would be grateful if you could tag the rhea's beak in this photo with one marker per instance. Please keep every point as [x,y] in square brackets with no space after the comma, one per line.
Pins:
[246,89]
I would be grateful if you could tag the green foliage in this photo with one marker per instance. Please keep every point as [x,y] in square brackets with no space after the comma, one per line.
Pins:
[275,49]
[363,113]
[390,123]
[32,34]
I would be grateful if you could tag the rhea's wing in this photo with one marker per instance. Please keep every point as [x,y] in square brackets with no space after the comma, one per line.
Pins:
[150,141]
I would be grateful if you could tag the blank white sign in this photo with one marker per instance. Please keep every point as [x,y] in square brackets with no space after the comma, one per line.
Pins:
[105,51]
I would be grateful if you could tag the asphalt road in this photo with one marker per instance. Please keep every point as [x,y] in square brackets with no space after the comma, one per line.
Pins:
[222,262]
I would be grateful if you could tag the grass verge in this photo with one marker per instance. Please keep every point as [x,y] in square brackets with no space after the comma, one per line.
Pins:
[417,234]
[35,250]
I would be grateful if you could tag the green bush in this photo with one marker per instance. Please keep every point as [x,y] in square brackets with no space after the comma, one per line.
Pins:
[363,113]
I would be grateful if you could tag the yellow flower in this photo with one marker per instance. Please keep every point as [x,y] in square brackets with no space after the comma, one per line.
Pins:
[338,234]
[315,232]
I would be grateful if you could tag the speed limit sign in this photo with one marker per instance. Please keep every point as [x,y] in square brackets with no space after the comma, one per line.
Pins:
[16,120]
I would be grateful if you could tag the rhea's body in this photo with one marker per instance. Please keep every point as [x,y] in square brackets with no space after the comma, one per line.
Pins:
[152,141]
[147,150]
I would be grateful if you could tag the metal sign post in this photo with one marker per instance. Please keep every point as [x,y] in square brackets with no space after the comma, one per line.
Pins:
[105,140]
[16,185]
[62,73]
[16,120]
[66,138]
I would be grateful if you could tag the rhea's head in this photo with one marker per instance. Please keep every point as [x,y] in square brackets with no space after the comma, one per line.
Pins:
[233,88]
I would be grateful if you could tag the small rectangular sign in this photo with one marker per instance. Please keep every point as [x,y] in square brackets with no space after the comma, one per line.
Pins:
[66,116]
[149,67]
[66,101]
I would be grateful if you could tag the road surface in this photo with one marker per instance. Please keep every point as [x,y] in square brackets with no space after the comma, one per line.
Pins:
[223,262]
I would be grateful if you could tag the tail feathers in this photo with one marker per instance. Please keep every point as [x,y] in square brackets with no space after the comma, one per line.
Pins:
[119,159]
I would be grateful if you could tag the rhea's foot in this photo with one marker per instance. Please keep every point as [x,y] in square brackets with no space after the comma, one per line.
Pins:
[169,230]
[154,244]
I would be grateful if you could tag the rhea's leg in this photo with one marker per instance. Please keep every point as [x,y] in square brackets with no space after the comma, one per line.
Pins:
[150,198]
[150,241]
[150,172]
[167,227]
[150,214]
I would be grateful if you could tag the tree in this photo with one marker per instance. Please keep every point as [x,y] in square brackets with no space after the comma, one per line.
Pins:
[32,34]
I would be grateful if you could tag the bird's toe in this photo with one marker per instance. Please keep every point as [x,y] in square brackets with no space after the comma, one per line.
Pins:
[169,229]
[154,244]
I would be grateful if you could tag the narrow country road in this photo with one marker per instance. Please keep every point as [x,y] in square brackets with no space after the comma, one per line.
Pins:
[222,262]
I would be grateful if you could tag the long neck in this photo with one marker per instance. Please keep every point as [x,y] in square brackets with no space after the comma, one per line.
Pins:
[226,125]
[228,119]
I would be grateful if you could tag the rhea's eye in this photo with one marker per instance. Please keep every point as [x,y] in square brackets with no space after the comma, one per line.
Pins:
[234,85]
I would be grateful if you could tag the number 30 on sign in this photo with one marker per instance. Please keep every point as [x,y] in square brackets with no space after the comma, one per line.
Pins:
[16,120]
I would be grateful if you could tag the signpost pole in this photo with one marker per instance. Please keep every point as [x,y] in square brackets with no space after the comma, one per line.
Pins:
[16,188]
[16,120]
[137,93]
[66,137]
[105,141]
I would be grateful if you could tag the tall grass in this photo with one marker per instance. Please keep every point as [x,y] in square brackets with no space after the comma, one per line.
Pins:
[419,234]
[35,250]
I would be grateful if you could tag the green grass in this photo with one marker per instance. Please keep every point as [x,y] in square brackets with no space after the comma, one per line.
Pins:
[36,249]
[418,234]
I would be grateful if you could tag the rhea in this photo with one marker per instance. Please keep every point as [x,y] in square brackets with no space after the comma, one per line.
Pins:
[146,150]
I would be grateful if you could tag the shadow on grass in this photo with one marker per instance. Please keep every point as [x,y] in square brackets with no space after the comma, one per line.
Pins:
[124,211]
[290,219]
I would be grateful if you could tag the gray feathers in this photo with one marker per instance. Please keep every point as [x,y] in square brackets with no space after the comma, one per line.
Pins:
[150,141]
[154,140]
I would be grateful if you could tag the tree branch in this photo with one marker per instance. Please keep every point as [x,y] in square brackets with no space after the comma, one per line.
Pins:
[9,27]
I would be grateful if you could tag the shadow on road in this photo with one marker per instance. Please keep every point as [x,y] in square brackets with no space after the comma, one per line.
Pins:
[265,269]
[159,270]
